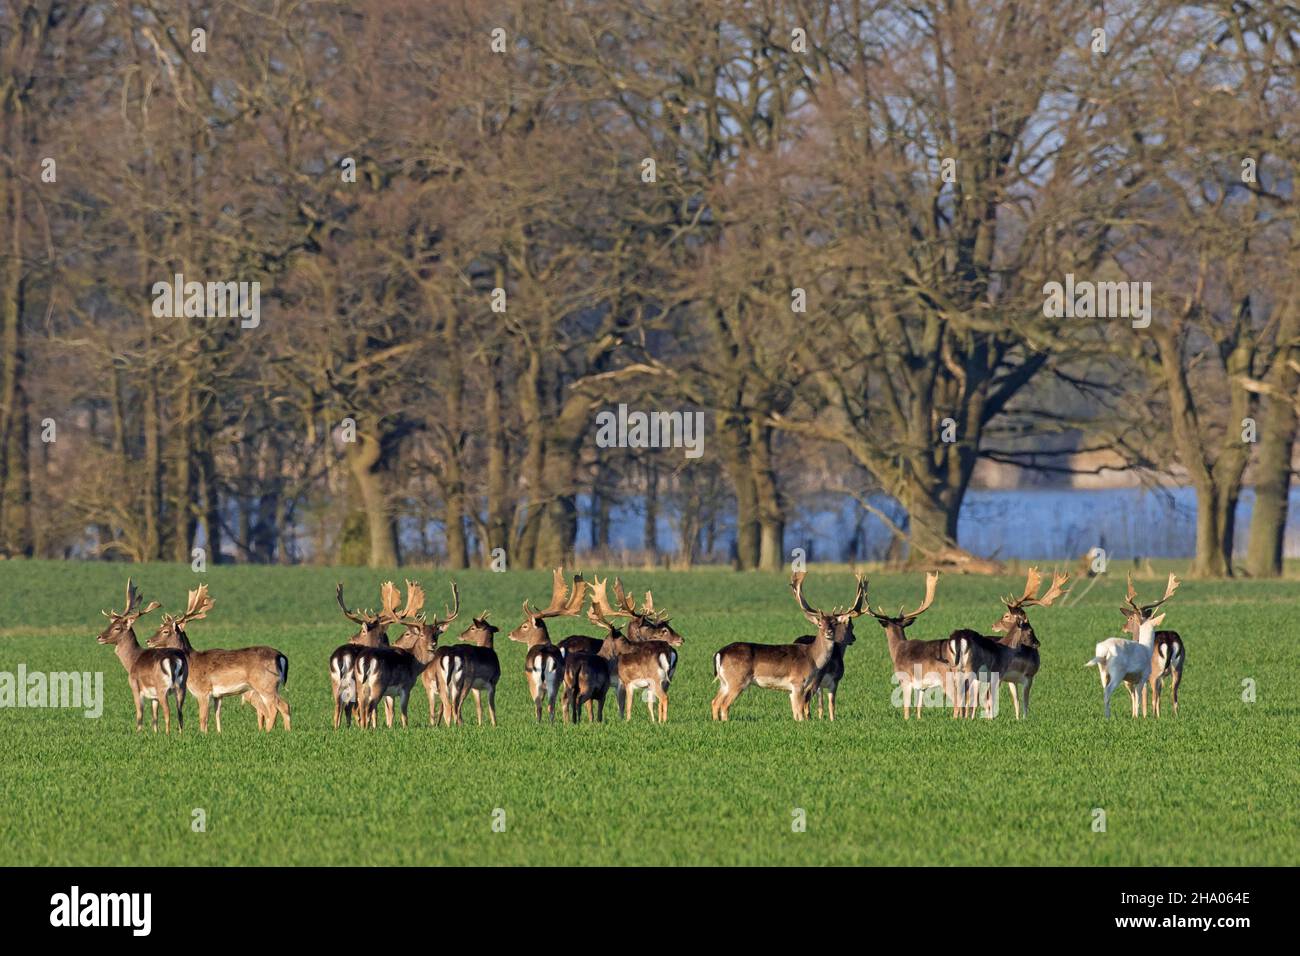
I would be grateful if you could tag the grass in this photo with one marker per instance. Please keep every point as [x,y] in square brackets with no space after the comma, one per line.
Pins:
[1216,786]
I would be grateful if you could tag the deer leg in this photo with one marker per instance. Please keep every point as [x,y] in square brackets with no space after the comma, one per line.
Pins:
[492,704]
[1015,698]
[388,711]
[1173,690]
[663,705]
[204,704]
[139,709]
[282,706]
[406,699]
[153,707]
[1107,689]
[830,704]
[167,714]
[217,715]
[1024,694]
[478,706]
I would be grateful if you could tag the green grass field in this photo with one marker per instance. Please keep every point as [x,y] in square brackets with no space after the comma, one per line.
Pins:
[1216,786]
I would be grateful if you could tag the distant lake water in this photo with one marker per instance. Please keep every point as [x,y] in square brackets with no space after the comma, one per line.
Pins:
[1028,524]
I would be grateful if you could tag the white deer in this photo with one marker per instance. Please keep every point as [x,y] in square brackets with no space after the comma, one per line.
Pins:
[1128,662]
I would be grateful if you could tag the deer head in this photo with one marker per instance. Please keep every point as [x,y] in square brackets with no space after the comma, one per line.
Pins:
[903,620]
[1015,620]
[374,627]
[645,623]
[836,625]
[121,622]
[1135,614]
[412,616]
[171,633]
[480,631]
[563,604]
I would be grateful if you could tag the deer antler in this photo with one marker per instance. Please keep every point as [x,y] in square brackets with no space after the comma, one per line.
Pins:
[455,605]
[1170,588]
[389,598]
[1033,581]
[132,609]
[1054,592]
[364,618]
[1145,609]
[600,605]
[796,585]
[931,583]
[563,604]
[198,606]
[600,611]
[625,602]
[414,602]
[859,606]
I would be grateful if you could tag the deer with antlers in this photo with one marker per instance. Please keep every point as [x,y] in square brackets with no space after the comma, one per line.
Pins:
[373,633]
[793,668]
[1011,657]
[152,673]
[257,674]
[587,675]
[469,667]
[646,627]
[922,665]
[646,663]
[544,662]
[1167,653]
[391,671]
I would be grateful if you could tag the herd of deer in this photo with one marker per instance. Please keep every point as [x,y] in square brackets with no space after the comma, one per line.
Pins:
[639,655]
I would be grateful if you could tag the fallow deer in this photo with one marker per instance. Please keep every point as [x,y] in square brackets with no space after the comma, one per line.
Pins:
[644,653]
[828,681]
[587,675]
[256,673]
[1011,657]
[373,633]
[390,671]
[1167,654]
[793,668]
[921,665]
[472,666]
[1127,662]
[152,673]
[544,662]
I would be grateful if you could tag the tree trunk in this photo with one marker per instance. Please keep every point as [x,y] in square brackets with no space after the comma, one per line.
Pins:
[733,432]
[1277,417]
[771,512]
[153,471]
[498,479]
[650,523]
[366,462]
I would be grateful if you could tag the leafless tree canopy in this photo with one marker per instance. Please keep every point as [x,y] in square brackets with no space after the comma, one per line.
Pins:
[475,225]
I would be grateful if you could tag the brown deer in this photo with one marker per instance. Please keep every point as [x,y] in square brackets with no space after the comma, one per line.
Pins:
[587,675]
[1011,657]
[389,671]
[255,673]
[153,673]
[647,662]
[373,633]
[921,665]
[1167,655]
[544,662]
[471,666]
[793,668]
[828,681]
